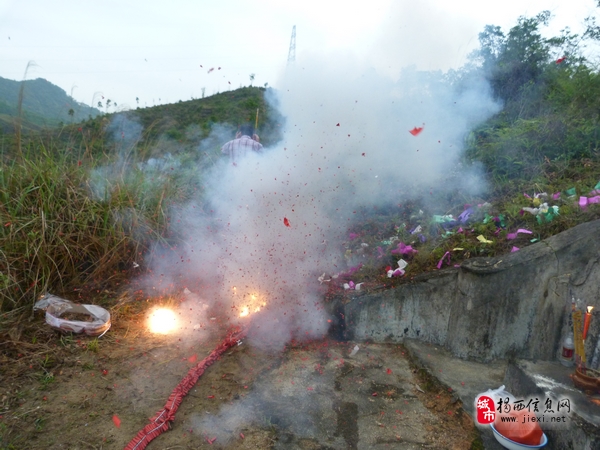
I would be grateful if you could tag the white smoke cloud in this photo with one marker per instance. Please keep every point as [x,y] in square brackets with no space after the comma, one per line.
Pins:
[346,145]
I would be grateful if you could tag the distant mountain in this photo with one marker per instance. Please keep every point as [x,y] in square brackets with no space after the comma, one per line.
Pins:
[44,105]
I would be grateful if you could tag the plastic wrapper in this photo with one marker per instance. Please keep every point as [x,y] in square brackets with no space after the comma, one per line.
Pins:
[56,307]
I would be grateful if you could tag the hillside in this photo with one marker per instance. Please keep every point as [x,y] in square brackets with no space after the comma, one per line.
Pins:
[200,115]
[176,128]
[44,105]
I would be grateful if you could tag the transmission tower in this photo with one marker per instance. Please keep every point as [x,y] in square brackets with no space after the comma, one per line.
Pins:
[292,52]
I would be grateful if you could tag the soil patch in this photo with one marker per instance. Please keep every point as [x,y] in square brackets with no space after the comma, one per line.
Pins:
[77,392]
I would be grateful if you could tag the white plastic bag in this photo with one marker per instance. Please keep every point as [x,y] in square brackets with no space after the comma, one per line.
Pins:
[500,396]
[56,307]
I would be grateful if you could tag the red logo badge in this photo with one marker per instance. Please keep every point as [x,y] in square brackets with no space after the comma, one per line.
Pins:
[485,410]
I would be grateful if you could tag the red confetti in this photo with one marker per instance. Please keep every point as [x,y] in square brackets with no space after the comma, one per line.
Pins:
[242,435]
[210,441]
[211,396]
[192,358]
[104,372]
[374,394]
[117,421]
[286,222]
[389,371]
[559,60]
[416,130]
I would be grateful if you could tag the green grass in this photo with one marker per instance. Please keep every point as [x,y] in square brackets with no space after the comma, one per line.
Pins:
[56,234]
[507,200]
[78,207]
[93,345]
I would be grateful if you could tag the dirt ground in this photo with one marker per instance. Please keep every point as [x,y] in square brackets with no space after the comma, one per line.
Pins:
[76,392]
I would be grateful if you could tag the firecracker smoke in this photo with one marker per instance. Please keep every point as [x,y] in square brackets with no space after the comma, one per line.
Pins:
[271,224]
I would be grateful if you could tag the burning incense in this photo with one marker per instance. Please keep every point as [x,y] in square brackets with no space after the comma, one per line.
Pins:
[578,338]
[586,322]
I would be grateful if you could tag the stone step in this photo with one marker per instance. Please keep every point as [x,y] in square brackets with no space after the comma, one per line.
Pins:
[521,378]
[550,379]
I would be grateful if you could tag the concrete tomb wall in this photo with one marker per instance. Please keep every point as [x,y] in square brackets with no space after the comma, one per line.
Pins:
[512,305]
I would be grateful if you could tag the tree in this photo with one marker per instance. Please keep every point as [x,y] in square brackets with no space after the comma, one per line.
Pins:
[514,63]
[251,78]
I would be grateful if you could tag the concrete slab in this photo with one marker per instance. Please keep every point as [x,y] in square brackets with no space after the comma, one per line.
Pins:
[522,378]
[466,378]
[550,379]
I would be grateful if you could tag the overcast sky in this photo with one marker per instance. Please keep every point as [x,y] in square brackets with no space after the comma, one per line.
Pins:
[163,52]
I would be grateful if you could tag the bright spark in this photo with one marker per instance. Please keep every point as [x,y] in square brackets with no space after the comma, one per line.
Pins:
[162,321]
[254,305]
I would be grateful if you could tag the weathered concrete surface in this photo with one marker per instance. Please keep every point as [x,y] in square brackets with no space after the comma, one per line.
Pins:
[509,306]
[493,310]
[467,379]
[523,379]
[422,312]
[551,380]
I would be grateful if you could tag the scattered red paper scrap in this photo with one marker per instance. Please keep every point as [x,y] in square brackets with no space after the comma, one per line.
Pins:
[374,394]
[559,60]
[286,222]
[192,358]
[104,372]
[242,435]
[416,130]
[211,441]
[117,421]
[211,396]
[389,371]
